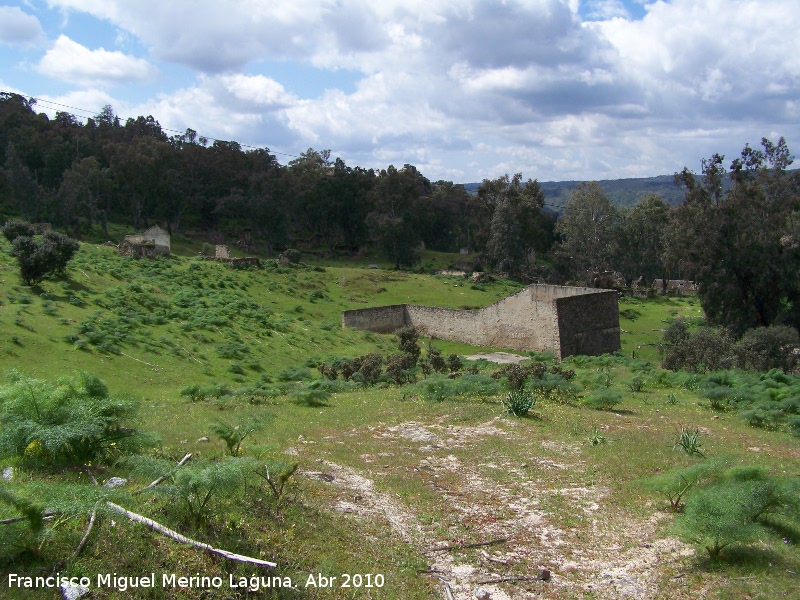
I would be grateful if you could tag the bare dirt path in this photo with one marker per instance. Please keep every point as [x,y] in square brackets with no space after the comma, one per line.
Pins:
[530,516]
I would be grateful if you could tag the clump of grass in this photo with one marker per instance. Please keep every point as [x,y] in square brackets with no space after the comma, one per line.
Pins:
[518,403]
[689,442]
[596,438]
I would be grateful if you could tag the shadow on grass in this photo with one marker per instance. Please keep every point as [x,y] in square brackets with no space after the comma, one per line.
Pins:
[790,532]
[744,559]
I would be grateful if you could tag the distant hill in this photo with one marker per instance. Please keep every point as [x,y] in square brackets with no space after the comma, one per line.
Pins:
[623,192]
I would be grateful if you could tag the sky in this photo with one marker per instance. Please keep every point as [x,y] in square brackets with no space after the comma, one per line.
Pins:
[464,90]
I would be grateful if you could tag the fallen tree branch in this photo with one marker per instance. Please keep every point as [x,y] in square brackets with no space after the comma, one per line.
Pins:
[492,559]
[85,537]
[163,477]
[462,546]
[89,528]
[448,590]
[45,517]
[184,540]
[543,575]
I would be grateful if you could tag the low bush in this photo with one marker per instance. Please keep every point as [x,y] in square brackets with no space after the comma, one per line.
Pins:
[294,374]
[765,348]
[234,435]
[737,506]
[676,484]
[602,399]
[399,367]
[707,349]
[70,420]
[311,397]
[689,442]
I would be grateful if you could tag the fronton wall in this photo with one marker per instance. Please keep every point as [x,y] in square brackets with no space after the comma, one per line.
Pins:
[540,317]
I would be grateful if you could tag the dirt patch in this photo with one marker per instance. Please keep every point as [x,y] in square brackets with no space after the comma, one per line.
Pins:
[571,529]
[501,358]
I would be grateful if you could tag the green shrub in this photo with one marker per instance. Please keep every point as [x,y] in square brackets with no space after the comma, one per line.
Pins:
[765,348]
[676,484]
[602,399]
[735,508]
[38,257]
[366,369]
[407,342]
[234,435]
[635,383]
[436,388]
[707,349]
[519,402]
[473,385]
[194,487]
[311,397]
[294,374]
[454,363]
[333,386]
[16,228]
[70,420]
[231,349]
[436,360]
[399,367]
[554,387]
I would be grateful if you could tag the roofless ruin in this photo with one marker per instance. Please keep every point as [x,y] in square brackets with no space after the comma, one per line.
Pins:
[566,320]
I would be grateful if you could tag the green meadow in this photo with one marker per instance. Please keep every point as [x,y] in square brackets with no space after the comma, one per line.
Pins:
[413,490]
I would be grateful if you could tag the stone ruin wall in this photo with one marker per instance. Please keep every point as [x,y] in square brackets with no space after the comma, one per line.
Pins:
[381,319]
[588,324]
[540,317]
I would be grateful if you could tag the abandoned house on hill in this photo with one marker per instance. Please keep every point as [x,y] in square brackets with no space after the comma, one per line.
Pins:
[566,320]
[148,244]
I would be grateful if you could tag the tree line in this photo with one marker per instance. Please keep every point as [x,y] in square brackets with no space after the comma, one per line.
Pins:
[82,176]
[736,233]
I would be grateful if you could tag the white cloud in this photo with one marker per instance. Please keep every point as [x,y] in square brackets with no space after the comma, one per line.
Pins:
[257,91]
[453,83]
[69,61]
[18,27]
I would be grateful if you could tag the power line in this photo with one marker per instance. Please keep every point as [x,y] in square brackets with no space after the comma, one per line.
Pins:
[89,114]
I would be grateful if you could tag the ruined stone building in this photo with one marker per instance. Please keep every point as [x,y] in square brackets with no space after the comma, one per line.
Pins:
[566,320]
[147,244]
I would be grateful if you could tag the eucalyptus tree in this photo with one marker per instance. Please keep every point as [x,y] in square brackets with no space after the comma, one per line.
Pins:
[517,226]
[587,231]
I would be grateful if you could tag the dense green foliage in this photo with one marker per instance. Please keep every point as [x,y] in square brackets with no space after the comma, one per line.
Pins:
[38,256]
[736,507]
[71,420]
[741,246]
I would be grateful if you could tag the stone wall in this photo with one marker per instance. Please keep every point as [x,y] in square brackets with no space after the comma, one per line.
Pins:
[588,323]
[381,319]
[566,320]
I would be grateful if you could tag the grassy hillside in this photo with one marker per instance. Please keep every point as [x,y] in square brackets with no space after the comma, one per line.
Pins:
[394,480]
[153,327]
